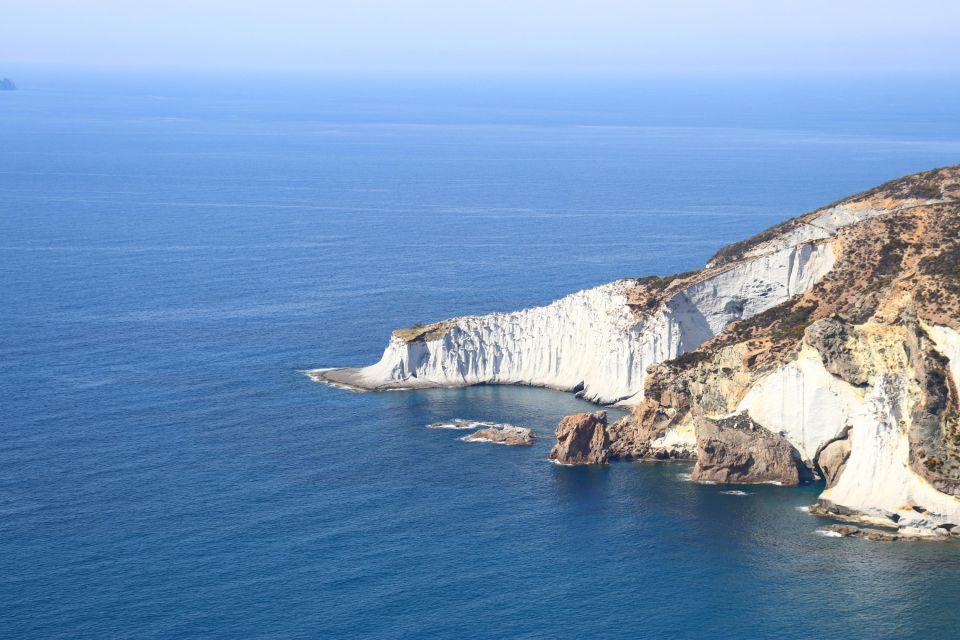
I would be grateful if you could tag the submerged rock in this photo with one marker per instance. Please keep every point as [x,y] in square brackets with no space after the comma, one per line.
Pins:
[737,450]
[502,434]
[582,439]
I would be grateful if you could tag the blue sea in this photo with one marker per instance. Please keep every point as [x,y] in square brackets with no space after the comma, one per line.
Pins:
[176,249]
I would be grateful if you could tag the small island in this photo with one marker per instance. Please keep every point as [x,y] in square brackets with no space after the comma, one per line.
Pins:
[6,84]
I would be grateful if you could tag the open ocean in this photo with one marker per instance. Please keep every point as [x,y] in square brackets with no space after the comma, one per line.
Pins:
[174,251]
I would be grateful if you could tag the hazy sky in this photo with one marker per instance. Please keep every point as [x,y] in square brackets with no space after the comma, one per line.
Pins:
[587,35]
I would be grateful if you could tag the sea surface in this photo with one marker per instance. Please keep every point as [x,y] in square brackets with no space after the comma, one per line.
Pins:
[176,249]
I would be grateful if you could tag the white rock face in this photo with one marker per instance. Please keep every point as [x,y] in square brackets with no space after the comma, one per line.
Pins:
[811,407]
[590,340]
[751,287]
[681,440]
[825,225]
[804,402]
[590,337]
[877,479]
[948,343]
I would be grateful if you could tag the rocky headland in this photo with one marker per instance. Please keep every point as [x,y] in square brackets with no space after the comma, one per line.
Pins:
[827,346]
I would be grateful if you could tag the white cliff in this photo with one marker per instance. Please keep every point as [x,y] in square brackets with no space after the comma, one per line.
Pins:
[877,481]
[591,341]
[948,343]
[803,402]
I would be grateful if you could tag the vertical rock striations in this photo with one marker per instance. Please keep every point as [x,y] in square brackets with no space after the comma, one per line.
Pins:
[597,342]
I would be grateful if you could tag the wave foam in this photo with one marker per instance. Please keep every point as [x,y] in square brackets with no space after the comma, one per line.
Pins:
[460,423]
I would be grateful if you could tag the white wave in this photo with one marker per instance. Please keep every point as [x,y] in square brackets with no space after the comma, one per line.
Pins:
[686,477]
[828,534]
[469,439]
[805,509]
[328,383]
[735,492]
[460,423]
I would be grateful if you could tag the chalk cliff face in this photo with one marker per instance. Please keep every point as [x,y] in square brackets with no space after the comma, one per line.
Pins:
[828,345]
[598,342]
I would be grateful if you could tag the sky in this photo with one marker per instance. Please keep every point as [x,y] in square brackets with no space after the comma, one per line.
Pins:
[487,35]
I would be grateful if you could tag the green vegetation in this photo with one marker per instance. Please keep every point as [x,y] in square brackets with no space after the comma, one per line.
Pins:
[792,323]
[662,282]
[423,333]
[690,359]
[733,251]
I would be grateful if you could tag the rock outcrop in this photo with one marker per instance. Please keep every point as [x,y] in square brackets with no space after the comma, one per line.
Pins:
[832,459]
[880,535]
[502,434]
[582,439]
[736,450]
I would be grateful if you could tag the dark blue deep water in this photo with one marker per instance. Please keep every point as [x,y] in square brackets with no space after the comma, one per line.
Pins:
[175,250]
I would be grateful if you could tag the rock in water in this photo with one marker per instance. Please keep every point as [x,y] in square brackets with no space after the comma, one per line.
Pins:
[502,434]
[582,439]
[832,459]
[738,450]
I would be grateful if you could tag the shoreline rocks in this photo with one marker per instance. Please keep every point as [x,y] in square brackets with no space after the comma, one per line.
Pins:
[582,439]
[503,434]
[737,450]
[879,535]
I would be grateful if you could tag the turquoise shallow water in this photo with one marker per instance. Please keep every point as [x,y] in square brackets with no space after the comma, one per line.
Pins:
[174,251]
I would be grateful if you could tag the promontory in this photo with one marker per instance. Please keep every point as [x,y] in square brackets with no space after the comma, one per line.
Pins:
[826,347]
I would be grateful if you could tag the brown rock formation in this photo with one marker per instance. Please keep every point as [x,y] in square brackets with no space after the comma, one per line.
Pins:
[582,439]
[502,434]
[832,459]
[737,450]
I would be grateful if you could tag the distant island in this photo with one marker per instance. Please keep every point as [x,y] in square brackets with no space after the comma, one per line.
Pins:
[6,84]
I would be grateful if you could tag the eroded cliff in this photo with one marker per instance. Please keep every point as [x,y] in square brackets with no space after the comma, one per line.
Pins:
[859,373]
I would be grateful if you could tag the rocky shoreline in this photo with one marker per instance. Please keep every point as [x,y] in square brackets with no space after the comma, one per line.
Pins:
[825,348]
[503,434]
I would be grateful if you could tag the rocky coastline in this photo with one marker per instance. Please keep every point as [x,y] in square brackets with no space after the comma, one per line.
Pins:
[825,348]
